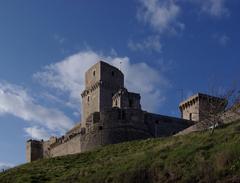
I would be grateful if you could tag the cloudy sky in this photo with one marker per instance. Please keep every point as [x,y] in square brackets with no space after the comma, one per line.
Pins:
[169,49]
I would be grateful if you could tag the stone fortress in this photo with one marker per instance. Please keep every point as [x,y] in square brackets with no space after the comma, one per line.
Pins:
[111,114]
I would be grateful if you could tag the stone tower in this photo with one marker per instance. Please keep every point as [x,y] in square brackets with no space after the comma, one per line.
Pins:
[102,81]
[124,99]
[34,150]
[196,107]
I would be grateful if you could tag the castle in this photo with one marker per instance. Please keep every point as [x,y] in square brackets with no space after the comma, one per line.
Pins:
[111,114]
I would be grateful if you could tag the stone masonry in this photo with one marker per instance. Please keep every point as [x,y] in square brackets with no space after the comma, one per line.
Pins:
[111,114]
[197,106]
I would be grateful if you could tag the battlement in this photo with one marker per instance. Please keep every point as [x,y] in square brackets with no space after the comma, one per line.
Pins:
[195,106]
[111,114]
[102,81]
[125,99]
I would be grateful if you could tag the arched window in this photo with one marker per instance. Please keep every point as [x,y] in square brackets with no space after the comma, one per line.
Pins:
[88,98]
[94,73]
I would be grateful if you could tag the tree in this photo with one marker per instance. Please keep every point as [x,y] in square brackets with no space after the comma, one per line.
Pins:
[218,110]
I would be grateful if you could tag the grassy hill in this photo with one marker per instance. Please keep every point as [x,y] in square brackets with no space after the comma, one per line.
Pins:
[197,157]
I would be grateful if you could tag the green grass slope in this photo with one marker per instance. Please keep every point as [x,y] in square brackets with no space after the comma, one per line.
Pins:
[197,157]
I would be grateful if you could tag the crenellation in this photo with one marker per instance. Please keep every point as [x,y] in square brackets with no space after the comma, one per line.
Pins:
[111,114]
[194,107]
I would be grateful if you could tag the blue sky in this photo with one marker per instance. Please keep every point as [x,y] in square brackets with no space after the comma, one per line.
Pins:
[169,49]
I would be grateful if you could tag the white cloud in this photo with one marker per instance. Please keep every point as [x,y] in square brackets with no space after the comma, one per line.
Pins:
[68,76]
[5,166]
[160,15]
[37,132]
[222,39]
[148,44]
[163,17]
[215,8]
[59,39]
[16,101]
[146,80]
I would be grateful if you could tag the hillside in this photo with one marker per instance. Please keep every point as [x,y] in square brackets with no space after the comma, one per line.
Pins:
[196,157]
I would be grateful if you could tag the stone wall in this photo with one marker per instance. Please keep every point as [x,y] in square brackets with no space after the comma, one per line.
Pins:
[91,95]
[111,126]
[72,146]
[190,109]
[102,81]
[124,99]
[34,150]
[112,80]
[198,106]
[103,122]
[161,125]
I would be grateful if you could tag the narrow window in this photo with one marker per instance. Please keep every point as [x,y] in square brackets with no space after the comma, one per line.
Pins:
[119,114]
[130,103]
[94,73]
[190,116]
[116,103]
[123,115]
[88,98]
[112,73]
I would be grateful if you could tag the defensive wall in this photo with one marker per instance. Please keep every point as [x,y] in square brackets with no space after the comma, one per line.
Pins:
[111,114]
[113,126]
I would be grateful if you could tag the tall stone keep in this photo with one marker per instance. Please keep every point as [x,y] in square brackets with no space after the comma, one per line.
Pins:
[102,81]
[110,114]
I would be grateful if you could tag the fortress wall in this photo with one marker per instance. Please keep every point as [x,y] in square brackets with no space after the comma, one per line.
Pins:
[112,75]
[120,125]
[72,146]
[134,100]
[114,127]
[92,75]
[112,80]
[106,93]
[46,149]
[140,122]
[191,112]
[161,126]
[91,103]
[231,116]
[91,141]
[106,136]
[114,117]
